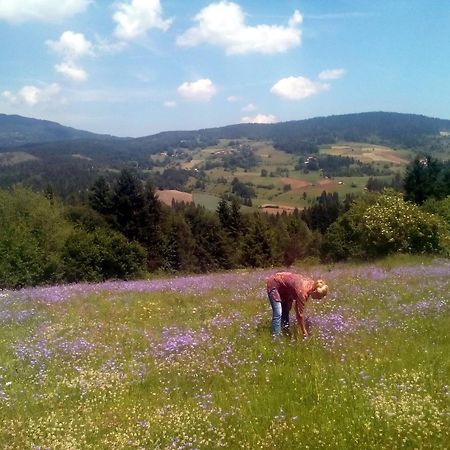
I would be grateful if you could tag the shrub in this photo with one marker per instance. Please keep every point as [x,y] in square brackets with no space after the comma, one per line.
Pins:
[32,235]
[382,224]
[393,225]
[101,255]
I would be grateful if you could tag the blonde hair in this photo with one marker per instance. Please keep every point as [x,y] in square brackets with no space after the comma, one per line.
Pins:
[321,288]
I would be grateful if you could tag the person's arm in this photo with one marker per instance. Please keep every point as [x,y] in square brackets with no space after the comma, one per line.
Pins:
[299,311]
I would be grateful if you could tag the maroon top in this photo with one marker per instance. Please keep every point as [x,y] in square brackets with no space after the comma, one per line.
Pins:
[288,287]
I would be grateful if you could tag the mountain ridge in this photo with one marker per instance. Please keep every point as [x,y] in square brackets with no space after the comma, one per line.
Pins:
[17,131]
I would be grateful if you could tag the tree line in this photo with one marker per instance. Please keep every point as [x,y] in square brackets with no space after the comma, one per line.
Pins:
[122,231]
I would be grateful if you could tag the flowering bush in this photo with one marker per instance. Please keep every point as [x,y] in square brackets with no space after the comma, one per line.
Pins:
[393,225]
[377,225]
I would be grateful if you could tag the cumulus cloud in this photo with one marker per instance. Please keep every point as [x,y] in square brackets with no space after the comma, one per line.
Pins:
[260,118]
[331,74]
[297,88]
[200,90]
[71,71]
[32,95]
[18,11]
[71,45]
[223,24]
[135,17]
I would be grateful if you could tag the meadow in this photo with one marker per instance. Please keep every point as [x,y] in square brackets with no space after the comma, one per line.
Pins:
[188,362]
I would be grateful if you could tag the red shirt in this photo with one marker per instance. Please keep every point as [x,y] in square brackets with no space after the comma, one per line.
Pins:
[287,287]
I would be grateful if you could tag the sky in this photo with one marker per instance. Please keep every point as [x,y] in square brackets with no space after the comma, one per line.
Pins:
[139,67]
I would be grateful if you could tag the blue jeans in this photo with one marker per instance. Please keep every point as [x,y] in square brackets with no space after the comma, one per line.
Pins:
[280,315]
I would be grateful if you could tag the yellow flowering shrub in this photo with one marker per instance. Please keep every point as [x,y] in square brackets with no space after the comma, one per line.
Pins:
[393,225]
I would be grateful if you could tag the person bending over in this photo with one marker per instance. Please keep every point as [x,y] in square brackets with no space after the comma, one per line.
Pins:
[284,288]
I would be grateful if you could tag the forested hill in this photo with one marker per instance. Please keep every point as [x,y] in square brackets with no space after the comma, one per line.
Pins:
[298,136]
[351,127]
[16,131]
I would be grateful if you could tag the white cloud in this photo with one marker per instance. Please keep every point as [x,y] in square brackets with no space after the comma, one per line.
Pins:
[232,98]
[71,71]
[200,90]
[32,95]
[18,11]
[223,24]
[260,118]
[134,18]
[332,74]
[249,108]
[297,88]
[71,45]
[170,104]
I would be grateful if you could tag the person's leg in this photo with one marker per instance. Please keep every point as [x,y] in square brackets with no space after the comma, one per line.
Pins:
[276,311]
[286,307]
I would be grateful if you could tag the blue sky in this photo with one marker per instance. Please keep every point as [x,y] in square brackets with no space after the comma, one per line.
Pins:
[138,67]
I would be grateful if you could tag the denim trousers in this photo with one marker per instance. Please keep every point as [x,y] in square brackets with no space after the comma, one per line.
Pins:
[280,314]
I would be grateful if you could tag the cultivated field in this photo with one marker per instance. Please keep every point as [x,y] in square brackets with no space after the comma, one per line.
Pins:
[189,363]
[370,153]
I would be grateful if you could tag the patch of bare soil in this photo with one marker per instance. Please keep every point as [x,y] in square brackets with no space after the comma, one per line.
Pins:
[167,196]
[295,183]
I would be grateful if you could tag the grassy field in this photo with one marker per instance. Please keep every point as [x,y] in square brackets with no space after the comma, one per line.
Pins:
[189,363]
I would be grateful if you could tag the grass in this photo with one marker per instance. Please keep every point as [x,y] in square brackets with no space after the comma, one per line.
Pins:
[189,362]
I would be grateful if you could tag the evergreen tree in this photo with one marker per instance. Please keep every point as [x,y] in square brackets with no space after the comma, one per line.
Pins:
[213,248]
[151,234]
[224,213]
[230,216]
[258,244]
[178,245]
[100,196]
[128,206]
[424,178]
[323,212]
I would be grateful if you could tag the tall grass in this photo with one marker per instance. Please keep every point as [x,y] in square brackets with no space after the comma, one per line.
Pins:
[189,362]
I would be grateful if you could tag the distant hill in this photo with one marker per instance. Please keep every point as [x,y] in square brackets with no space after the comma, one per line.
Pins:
[406,130]
[43,152]
[16,131]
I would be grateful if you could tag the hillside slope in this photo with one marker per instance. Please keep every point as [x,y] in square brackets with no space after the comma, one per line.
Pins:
[17,131]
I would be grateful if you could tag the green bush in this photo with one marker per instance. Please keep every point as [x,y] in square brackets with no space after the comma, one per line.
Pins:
[393,225]
[382,224]
[101,255]
[439,207]
[32,234]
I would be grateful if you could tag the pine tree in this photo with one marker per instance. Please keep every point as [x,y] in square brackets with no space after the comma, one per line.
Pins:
[128,206]
[100,196]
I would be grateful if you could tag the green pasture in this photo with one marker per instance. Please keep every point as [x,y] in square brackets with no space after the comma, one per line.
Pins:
[189,363]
